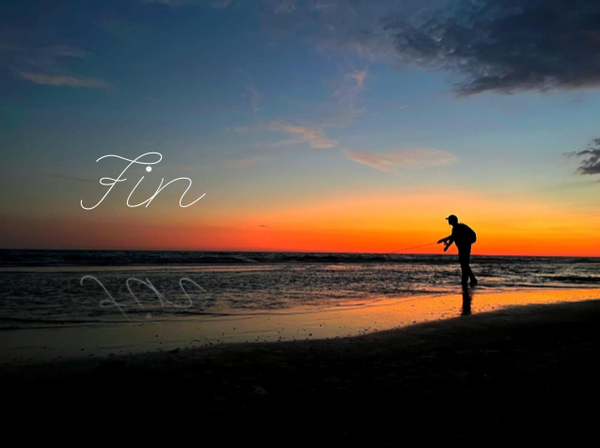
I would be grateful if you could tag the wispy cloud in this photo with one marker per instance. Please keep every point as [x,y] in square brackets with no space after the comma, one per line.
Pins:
[47,65]
[405,158]
[315,137]
[344,25]
[241,162]
[285,6]
[42,57]
[59,80]
[65,51]
[344,98]
[351,86]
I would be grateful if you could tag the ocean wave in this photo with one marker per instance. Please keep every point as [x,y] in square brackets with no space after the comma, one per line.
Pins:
[56,258]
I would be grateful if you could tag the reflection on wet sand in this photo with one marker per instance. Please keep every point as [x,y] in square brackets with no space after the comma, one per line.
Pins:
[296,324]
[467,296]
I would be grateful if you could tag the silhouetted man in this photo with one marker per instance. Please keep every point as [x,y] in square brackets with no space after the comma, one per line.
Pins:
[463,236]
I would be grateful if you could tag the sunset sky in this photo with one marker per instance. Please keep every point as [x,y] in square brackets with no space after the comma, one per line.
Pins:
[316,125]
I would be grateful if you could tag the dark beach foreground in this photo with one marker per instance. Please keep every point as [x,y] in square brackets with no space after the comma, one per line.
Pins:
[524,376]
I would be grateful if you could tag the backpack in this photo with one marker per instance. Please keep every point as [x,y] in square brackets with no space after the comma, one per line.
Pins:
[472,236]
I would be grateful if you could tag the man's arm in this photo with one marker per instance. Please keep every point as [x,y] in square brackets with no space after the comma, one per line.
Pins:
[448,241]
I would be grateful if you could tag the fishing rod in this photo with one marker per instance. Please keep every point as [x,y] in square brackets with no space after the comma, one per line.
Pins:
[413,247]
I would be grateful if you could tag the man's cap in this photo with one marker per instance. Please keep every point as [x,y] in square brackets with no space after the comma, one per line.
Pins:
[452,218]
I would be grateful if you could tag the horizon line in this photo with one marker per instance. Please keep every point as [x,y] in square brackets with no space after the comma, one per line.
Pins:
[298,252]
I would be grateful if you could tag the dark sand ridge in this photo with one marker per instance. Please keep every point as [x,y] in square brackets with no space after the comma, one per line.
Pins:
[520,376]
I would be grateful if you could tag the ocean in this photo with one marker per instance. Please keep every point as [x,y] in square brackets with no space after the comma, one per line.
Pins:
[50,288]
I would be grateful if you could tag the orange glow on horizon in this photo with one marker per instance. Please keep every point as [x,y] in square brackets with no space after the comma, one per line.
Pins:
[371,223]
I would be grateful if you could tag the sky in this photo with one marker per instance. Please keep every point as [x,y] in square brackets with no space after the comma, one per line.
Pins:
[315,125]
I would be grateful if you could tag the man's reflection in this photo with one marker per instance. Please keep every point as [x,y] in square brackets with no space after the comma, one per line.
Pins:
[467,295]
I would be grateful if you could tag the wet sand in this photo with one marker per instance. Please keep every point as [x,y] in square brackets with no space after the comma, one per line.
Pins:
[299,323]
[522,376]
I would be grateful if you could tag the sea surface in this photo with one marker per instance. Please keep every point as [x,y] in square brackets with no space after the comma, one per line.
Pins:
[45,289]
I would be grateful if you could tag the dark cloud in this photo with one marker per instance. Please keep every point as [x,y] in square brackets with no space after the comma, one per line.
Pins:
[505,45]
[591,165]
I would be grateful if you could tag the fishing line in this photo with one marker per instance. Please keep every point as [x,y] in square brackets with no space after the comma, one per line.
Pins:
[413,247]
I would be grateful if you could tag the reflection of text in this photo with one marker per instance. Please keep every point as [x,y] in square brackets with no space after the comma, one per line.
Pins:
[110,302]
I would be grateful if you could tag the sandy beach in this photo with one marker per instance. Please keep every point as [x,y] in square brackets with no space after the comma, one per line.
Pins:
[520,375]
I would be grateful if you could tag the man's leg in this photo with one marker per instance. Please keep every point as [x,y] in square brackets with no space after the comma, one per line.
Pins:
[463,258]
[467,273]
[470,272]
[471,275]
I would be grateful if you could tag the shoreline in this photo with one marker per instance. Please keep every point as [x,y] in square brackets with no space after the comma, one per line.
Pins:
[75,342]
[238,259]
[516,375]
